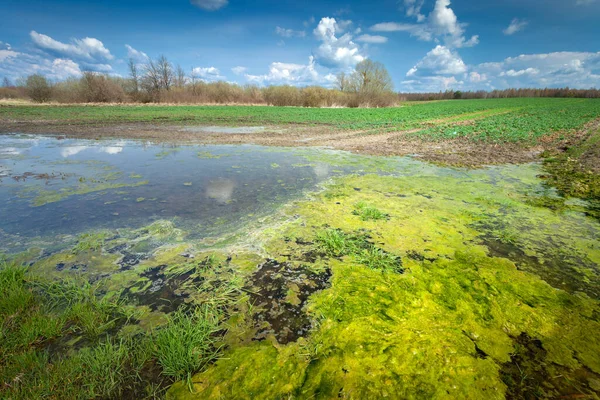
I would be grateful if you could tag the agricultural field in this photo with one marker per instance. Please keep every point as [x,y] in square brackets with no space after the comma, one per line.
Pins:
[431,251]
[495,120]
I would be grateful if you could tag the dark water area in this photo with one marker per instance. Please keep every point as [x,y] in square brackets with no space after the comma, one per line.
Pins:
[51,186]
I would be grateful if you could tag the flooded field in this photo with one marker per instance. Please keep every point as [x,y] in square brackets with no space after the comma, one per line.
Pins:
[62,187]
[240,271]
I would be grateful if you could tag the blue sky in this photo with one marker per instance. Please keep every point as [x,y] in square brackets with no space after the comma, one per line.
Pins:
[427,45]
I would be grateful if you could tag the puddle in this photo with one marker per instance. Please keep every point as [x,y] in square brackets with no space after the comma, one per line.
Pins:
[59,188]
[236,130]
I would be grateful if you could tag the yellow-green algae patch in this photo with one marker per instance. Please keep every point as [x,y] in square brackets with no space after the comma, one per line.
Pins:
[491,281]
[52,196]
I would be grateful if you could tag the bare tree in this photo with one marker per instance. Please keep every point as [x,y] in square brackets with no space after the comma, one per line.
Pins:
[194,82]
[165,72]
[6,83]
[134,76]
[342,82]
[179,77]
[151,81]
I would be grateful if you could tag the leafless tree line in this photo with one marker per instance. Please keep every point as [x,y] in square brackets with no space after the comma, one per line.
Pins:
[158,80]
[502,94]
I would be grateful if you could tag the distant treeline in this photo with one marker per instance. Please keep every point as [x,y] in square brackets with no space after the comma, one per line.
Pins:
[158,81]
[502,94]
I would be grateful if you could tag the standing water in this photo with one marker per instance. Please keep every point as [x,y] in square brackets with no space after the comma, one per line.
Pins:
[316,272]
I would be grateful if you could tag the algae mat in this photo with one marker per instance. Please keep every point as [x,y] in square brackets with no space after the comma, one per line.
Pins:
[398,279]
[496,297]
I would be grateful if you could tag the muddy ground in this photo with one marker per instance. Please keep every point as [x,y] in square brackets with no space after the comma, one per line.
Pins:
[373,142]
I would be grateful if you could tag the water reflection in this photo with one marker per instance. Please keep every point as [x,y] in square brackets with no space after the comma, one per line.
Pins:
[322,170]
[72,150]
[220,190]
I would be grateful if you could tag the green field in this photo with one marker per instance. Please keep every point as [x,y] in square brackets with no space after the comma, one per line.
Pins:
[493,120]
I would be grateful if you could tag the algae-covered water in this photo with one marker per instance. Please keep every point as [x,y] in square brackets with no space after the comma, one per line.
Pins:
[336,275]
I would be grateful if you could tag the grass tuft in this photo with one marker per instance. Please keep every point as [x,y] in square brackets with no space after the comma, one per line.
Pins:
[376,258]
[368,213]
[187,343]
[336,243]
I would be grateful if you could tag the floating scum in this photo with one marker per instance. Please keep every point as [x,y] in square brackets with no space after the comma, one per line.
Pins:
[456,321]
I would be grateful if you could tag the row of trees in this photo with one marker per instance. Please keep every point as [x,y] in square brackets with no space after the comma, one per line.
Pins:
[158,80]
[502,94]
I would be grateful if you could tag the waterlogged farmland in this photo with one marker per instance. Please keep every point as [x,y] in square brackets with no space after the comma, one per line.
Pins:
[520,119]
[139,269]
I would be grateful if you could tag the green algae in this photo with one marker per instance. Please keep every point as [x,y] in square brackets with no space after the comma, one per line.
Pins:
[449,327]
[575,173]
[208,155]
[51,196]
[90,242]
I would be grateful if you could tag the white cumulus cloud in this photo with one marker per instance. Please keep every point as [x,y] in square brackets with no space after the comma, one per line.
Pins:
[64,68]
[413,9]
[334,51]
[439,61]
[209,74]
[292,74]
[89,49]
[136,55]
[375,39]
[442,69]
[14,65]
[558,69]
[441,24]
[515,26]
[6,54]
[239,70]
[528,71]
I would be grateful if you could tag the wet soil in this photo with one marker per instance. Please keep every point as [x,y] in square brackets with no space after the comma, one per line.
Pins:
[527,375]
[280,292]
[451,152]
[163,293]
[558,273]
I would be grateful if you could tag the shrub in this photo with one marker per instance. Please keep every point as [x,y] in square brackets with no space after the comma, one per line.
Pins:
[38,88]
[98,88]
[282,95]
